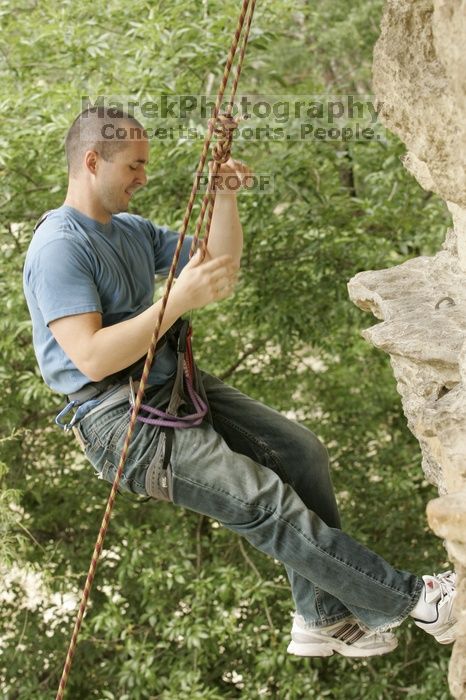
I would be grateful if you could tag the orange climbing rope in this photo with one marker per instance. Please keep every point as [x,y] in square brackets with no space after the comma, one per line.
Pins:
[222,126]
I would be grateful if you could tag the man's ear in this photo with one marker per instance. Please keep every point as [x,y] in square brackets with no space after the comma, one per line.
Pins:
[91,159]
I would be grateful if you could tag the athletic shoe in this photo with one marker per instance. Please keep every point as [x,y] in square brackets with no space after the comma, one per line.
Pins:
[439,594]
[345,637]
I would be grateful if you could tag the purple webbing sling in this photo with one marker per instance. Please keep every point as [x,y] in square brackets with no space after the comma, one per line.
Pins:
[168,420]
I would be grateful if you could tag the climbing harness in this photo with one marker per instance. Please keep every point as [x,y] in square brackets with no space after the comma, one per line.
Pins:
[184,376]
[220,125]
[94,394]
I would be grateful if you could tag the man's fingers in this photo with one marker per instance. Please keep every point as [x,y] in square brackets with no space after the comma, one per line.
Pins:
[224,271]
[196,259]
[224,276]
[217,277]
[224,292]
[220,268]
[226,283]
[223,281]
[220,261]
[232,175]
[217,269]
[203,257]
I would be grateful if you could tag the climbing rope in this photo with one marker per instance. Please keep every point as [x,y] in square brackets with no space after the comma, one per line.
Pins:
[222,127]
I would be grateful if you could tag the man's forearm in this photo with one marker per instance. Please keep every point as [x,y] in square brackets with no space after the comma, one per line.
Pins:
[120,345]
[226,233]
[108,350]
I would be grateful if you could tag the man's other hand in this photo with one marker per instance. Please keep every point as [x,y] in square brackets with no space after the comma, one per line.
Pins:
[205,280]
[231,176]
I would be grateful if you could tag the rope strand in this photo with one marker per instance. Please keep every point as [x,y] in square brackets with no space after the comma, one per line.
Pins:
[209,197]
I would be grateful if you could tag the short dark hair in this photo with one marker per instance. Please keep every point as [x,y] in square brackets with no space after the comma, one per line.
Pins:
[87,133]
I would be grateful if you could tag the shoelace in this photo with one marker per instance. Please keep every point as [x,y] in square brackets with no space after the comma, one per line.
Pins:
[378,636]
[447,582]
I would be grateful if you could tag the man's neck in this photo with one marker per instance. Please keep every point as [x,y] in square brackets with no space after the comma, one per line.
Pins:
[87,206]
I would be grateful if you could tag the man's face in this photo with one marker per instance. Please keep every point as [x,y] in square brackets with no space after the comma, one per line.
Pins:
[117,180]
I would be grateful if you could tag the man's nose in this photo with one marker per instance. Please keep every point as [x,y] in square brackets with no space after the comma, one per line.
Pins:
[142,178]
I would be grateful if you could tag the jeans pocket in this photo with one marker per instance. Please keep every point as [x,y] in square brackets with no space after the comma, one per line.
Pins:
[105,428]
[108,473]
[158,481]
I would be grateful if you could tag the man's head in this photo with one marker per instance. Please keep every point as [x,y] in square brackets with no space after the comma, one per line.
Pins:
[107,151]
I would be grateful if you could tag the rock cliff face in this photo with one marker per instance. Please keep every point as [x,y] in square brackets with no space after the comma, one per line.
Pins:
[420,83]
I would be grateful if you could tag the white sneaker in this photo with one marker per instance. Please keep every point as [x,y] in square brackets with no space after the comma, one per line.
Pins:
[345,637]
[439,594]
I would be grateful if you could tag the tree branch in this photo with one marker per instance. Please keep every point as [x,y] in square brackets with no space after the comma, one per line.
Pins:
[241,359]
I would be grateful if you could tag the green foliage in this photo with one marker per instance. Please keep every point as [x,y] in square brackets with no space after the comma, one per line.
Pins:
[181,609]
[10,515]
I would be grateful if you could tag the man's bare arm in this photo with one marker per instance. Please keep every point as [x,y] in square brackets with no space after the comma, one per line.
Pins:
[226,233]
[98,352]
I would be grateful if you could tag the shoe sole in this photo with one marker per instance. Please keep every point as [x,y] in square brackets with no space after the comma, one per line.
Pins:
[328,649]
[448,636]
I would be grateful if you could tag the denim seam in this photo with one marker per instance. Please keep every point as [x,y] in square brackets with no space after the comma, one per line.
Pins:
[259,443]
[110,455]
[318,602]
[96,448]
[398,620]
[313,544]
[328,620]
[112,415]
[325,620]
[124,478]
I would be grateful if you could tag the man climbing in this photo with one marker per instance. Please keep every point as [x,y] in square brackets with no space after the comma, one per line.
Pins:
[89,284]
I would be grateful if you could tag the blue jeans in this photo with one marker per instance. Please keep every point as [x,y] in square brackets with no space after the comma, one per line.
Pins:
[266,478]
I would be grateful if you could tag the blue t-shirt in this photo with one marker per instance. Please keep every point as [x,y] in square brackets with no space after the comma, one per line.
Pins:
[75,265]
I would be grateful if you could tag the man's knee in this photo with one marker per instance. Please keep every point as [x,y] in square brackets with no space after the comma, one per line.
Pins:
[314,454]
[320,453]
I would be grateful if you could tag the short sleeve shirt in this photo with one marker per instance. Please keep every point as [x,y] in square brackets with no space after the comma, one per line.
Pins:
[76,265]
